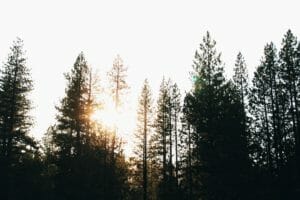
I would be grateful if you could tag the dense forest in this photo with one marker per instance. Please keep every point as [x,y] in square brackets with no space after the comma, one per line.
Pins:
[226,138]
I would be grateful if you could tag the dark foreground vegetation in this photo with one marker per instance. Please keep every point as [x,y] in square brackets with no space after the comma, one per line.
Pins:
[224,139]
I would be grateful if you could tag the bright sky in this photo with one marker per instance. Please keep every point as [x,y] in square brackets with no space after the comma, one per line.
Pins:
[154,38]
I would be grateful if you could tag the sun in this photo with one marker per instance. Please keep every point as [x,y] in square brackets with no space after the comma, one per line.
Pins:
[121,121]
[106,116]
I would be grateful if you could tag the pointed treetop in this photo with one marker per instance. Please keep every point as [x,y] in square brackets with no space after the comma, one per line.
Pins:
[207,64]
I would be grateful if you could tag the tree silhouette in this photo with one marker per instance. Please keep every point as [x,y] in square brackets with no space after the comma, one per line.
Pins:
[86,168]
[18,151]
[144,126]
[226,139]
[215,112]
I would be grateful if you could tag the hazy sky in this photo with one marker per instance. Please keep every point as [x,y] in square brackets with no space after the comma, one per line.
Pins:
[154,38]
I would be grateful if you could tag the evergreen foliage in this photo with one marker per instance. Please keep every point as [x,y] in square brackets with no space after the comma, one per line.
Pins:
[223,139]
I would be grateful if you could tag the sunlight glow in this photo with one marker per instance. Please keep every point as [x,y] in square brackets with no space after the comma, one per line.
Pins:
[122,121]
[107,116]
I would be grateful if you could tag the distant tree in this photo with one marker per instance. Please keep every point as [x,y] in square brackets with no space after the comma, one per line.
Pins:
[117,77]
[118,82]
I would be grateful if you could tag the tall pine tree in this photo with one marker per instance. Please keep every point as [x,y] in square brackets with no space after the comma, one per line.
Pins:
[18,150]
[290,77]
[215,112]
[144,125]
[240,80]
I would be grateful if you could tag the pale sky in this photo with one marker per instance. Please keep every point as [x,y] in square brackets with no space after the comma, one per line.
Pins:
[154,38]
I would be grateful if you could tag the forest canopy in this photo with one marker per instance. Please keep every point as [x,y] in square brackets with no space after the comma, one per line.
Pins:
[225,138]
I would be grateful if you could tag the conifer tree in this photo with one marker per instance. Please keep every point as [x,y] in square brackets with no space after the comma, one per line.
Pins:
[162,125]
[144,125]
[117,76]
[273,111]
[73,112]
[15,86]
[290,76]
[71,133]
[19,155]
[85,165]
[240,80]
[215,113]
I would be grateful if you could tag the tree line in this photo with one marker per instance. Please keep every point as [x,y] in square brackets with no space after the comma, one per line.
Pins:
[222,139]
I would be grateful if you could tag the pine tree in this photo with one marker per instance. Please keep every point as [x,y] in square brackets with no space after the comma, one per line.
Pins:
[118,82]
[19,156]
[259,110]
[290,77]
[85,165]
[273,110]
[117,76]
[162,126]
[73,112]
[215,113]
[71,133]
[240,77]
[144,125]
[16,84]
[240,80]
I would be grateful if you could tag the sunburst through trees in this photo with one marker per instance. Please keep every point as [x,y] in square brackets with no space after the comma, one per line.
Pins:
[222,139]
